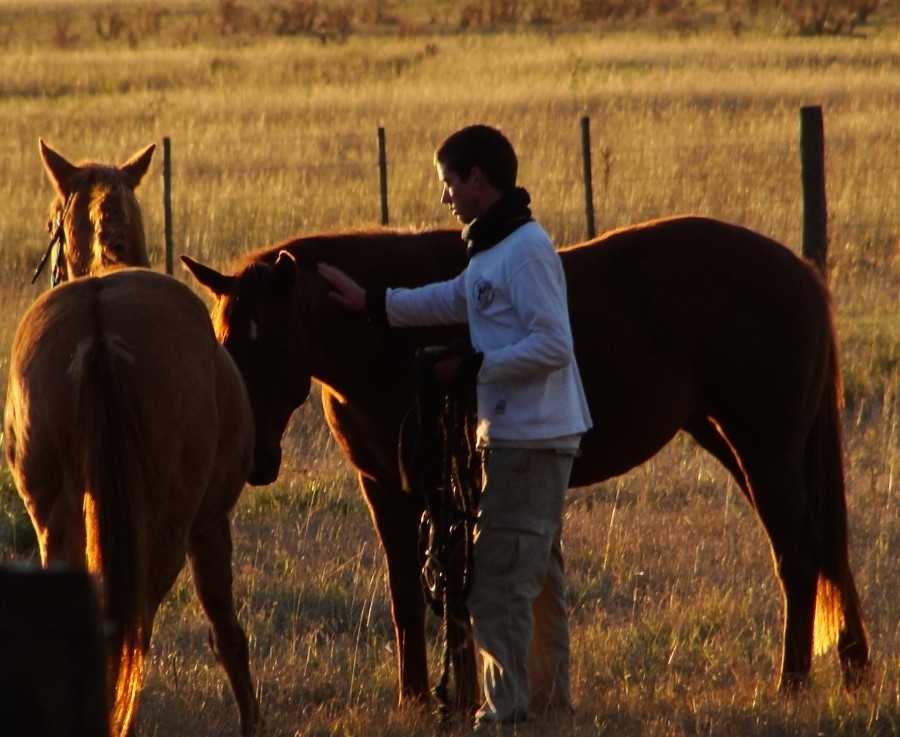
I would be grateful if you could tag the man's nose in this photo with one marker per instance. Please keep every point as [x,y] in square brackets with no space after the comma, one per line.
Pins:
[445,196]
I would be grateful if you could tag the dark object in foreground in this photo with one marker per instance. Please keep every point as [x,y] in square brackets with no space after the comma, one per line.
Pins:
[52,654]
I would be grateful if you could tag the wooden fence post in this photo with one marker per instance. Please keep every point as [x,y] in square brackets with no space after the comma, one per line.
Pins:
[167,201]
[588,177]
[812,174]
[382,171]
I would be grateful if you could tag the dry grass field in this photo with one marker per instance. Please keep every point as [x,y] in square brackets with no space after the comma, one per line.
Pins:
[676,612]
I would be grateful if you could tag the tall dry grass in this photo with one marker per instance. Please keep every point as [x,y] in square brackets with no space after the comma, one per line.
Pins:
[676,612]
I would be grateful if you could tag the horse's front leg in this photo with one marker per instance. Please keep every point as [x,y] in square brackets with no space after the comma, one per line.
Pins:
[396,516]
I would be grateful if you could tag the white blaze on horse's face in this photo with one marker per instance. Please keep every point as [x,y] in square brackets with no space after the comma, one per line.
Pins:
[253,333]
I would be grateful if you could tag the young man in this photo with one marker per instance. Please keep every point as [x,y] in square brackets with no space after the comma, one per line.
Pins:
[531,415]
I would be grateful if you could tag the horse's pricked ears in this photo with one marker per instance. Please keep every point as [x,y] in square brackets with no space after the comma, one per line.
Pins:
[217,284]
[61,172]
[285,270]
[135,168]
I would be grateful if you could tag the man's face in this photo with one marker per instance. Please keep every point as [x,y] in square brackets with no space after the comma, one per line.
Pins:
[463,196]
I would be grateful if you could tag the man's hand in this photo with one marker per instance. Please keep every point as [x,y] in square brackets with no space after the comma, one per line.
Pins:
[454,364]
[446,368]
[345,291]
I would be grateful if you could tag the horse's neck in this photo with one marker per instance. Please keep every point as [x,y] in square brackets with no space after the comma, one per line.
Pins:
[98,263]
[89,253]
[351,356]
[380,260]
[343,349]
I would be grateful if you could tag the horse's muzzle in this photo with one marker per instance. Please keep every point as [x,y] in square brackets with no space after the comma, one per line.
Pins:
[265,468]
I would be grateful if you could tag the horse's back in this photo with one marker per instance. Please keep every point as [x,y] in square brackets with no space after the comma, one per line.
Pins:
[695,284]
[688,263]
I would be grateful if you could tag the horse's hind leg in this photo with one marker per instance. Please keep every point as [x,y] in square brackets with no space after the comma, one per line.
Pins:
[209,553]
[707,434]
[57,508]
[778,490]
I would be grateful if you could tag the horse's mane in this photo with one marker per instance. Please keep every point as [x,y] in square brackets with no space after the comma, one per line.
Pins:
[380,257]
[328,242]
[86,172]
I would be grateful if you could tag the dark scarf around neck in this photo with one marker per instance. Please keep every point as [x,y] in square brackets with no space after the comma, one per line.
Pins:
[506,215]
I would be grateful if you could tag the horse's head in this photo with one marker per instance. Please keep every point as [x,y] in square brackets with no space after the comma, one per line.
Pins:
[255,319]
[96,217]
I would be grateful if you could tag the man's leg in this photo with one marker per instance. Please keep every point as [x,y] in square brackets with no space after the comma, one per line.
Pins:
[549,656]
[520,517]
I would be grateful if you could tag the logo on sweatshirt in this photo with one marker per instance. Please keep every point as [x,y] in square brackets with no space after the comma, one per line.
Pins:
[482,293]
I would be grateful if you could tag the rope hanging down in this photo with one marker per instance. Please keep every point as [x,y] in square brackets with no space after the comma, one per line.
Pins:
[438,454]
[57,239]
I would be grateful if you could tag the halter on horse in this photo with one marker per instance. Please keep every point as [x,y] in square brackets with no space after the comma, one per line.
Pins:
[57,239]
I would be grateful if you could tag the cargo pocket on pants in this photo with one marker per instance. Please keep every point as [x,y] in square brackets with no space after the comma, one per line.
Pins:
[512,550]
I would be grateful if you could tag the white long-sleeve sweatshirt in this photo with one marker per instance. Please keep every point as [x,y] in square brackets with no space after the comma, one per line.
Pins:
[513,296]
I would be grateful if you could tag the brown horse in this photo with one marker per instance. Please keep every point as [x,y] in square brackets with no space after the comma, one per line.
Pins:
[129,434]
[685,324]
[95,221]
[128,428]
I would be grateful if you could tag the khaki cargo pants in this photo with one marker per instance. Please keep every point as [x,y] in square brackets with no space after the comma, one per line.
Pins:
[517,601]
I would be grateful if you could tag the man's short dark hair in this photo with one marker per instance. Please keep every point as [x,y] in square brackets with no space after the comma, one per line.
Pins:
[484,147]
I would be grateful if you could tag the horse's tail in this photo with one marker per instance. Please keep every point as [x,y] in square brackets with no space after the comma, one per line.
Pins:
[108,421]
[836,596]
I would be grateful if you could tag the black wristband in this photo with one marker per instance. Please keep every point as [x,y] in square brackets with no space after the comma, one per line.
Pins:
[468,369]
[376,307]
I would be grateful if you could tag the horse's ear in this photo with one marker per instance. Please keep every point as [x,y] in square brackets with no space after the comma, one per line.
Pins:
[285,270]
[61,172]
[135,168]
[217,284]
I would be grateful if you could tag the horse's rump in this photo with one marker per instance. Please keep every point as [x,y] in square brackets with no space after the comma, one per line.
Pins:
[109,414]
[680,320]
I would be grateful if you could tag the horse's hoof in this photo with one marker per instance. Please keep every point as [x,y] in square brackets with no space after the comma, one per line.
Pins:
[792,684]
[858,677]
[257,728]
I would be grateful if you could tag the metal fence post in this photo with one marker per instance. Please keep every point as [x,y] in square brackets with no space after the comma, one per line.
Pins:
[382,171]
[167,201]
[588,177]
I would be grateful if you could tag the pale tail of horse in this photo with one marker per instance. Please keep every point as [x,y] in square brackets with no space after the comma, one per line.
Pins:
[116,541]
[838,617]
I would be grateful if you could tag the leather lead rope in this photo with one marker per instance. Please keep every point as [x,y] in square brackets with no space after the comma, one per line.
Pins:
[449,474]
[59,237]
